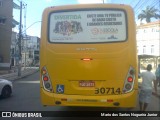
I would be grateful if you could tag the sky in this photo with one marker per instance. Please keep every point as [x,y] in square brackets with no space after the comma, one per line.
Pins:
[34,10]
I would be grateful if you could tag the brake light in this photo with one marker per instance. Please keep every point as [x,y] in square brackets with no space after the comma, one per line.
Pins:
[45,78]
[130,79]
[86,59]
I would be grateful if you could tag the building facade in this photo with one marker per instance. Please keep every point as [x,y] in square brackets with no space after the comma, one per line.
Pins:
[6,8]
[148,44]
[148,39]
[14,49]
[30,50]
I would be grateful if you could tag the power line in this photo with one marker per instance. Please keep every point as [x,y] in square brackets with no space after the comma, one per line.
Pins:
[140,5]
[132,2]
[31,25]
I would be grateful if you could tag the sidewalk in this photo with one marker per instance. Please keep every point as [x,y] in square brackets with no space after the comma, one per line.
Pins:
[158,88]
[24,72]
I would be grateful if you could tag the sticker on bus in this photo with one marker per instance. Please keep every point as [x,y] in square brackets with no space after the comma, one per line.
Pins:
[88,26]
[60,89]
[108,90]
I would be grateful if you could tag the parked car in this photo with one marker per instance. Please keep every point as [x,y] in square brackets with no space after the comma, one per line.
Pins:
[6,88]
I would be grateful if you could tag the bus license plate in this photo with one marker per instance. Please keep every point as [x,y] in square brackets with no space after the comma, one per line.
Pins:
[86,84]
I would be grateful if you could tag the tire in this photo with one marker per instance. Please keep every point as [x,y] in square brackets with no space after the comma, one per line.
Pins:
[6,92]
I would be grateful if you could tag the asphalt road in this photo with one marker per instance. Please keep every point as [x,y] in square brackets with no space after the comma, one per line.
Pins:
[26,97]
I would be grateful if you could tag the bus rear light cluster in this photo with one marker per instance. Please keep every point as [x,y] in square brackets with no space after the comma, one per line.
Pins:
[129,82]
[46,80]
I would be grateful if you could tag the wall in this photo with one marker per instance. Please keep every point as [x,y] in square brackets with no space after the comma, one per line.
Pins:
[6,32]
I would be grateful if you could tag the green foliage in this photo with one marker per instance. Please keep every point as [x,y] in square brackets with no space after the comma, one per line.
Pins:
[148,13]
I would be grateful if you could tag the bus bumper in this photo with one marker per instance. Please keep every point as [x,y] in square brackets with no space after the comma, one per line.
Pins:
[128,100]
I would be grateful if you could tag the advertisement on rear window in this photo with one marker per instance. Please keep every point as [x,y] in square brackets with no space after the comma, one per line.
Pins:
[87,26]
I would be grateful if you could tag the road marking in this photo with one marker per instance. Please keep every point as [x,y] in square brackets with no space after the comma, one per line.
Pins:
[28,82]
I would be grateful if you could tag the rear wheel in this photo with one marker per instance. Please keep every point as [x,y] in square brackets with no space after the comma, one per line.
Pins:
[6,92]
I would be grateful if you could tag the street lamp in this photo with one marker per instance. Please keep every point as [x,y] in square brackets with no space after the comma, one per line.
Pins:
[31,25]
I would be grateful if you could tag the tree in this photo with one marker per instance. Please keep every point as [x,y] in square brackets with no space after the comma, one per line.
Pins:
[148,13]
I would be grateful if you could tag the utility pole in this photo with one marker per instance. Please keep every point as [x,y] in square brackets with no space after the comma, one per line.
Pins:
[19,41]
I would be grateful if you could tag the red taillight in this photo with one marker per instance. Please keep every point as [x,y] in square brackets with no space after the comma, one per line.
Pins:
[130,79]
[109,100]
[45,78]
[64,99]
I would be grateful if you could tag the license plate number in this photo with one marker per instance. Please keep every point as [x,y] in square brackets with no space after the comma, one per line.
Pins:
[86,84]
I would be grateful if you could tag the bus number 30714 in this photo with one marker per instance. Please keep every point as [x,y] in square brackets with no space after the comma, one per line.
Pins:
[103,90]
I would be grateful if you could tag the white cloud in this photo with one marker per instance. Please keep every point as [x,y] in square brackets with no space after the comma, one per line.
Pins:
[89,1]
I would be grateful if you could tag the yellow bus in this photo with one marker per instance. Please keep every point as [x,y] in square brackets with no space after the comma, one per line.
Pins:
[88,56]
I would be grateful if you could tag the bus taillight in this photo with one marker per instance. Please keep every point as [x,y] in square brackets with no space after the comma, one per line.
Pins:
[129,82]
[130,79]
[131,72]
[44,71]
[46,80]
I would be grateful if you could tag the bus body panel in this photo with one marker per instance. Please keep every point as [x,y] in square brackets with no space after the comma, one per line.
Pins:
[89,82]
[104,69]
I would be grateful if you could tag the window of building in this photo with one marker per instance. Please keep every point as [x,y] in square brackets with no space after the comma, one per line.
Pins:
[1,3]
[152,49]
[2,21]
[153,30]
[144,49]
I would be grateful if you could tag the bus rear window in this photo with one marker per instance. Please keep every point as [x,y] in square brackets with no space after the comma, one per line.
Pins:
[90,26]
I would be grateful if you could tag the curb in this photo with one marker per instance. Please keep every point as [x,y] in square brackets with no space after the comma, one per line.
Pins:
[14,76]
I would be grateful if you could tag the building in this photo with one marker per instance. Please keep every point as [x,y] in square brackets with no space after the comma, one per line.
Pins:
[148,39]
[6,24]
[30,50]
[14,49]
[6,8]
[148,43]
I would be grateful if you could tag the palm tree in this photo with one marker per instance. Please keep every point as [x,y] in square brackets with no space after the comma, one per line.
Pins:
[148,13]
